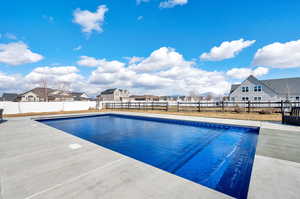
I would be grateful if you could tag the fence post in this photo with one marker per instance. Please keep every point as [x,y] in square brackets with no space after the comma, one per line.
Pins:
[223,108]
[249,104]
[178,103]
[199,106]
[281,106]
[152,105]
[167,106]
[139,105]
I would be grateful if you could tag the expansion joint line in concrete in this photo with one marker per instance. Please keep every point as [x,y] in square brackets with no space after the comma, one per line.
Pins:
[75,178]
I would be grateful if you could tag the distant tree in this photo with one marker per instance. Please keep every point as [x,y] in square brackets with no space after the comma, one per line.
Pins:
[209,97]
[44,84]
[194,96]
[64,90]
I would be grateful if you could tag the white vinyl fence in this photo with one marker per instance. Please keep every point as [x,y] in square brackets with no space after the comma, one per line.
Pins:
[39,107]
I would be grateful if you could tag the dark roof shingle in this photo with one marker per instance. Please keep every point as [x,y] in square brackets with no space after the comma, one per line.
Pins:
[9,96]
[282,86]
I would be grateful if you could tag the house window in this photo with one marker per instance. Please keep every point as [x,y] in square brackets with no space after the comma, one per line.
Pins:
[232,99]
[257,98]
[257,88]
[245,89]
[245,99]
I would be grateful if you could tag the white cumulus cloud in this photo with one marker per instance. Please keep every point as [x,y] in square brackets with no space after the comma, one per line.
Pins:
[160,59]
[17,53]
[172,3]
[227,50]
[134,59]
[242,73]
[11,83]
[90,21]
[112,66]
[54,75]
[163,72]
[279,55]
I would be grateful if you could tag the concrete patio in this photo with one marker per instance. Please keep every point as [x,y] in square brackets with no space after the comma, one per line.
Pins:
[38,161]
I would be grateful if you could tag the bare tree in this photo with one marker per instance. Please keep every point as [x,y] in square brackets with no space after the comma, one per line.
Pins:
[44,84]
[209,97]
[64,90]
[194,96]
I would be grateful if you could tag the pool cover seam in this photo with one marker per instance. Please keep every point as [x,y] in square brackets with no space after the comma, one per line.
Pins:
[75,178]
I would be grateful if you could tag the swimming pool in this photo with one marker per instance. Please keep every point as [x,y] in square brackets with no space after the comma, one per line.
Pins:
[217,156]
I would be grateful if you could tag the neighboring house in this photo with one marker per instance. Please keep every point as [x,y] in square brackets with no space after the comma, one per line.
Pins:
[48,94]
[114,94]
[187,99]
[253,89]
[145,98]
[36,95]
[79,96]
[11,97]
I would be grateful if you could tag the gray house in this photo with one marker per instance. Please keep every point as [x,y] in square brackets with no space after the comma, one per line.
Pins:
[253,89]
[10,97]
[114,94]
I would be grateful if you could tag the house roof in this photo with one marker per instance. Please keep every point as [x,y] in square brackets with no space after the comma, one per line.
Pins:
[111,91]
[77,93]
[144,96]
[40,92]
[282,86]
[9,96]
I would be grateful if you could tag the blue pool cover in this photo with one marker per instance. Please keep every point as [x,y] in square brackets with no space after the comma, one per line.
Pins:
[217,156]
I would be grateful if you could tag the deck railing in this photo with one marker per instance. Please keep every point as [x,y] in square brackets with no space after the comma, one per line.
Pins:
[220,106]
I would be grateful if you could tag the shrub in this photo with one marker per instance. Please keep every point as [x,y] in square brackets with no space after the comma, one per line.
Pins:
[237,110]
[266,111]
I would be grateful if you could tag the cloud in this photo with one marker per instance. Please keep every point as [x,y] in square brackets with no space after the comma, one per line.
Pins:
[113,66]
[90,21]
[160,59]
[17,53]
[11,83]
[10,36]
[134,59]
[77,48]
[66,77]
[54,75]
[164,72]
[279,55]
[172,3]
[243,73]
[138,2]
[227,50]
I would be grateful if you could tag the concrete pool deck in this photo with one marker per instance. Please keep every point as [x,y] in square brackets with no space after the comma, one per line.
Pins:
[38,161]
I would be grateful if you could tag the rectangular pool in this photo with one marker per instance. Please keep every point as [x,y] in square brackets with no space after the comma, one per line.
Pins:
[216,156]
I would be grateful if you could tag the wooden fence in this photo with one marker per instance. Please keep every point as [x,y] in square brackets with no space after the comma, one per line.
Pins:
[222,106]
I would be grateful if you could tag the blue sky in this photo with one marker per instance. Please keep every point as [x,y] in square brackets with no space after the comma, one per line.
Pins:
[186,28]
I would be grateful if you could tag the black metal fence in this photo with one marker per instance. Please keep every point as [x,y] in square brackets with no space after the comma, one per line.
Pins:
[222,106]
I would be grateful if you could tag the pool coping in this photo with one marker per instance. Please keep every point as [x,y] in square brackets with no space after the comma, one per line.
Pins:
[261,163]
